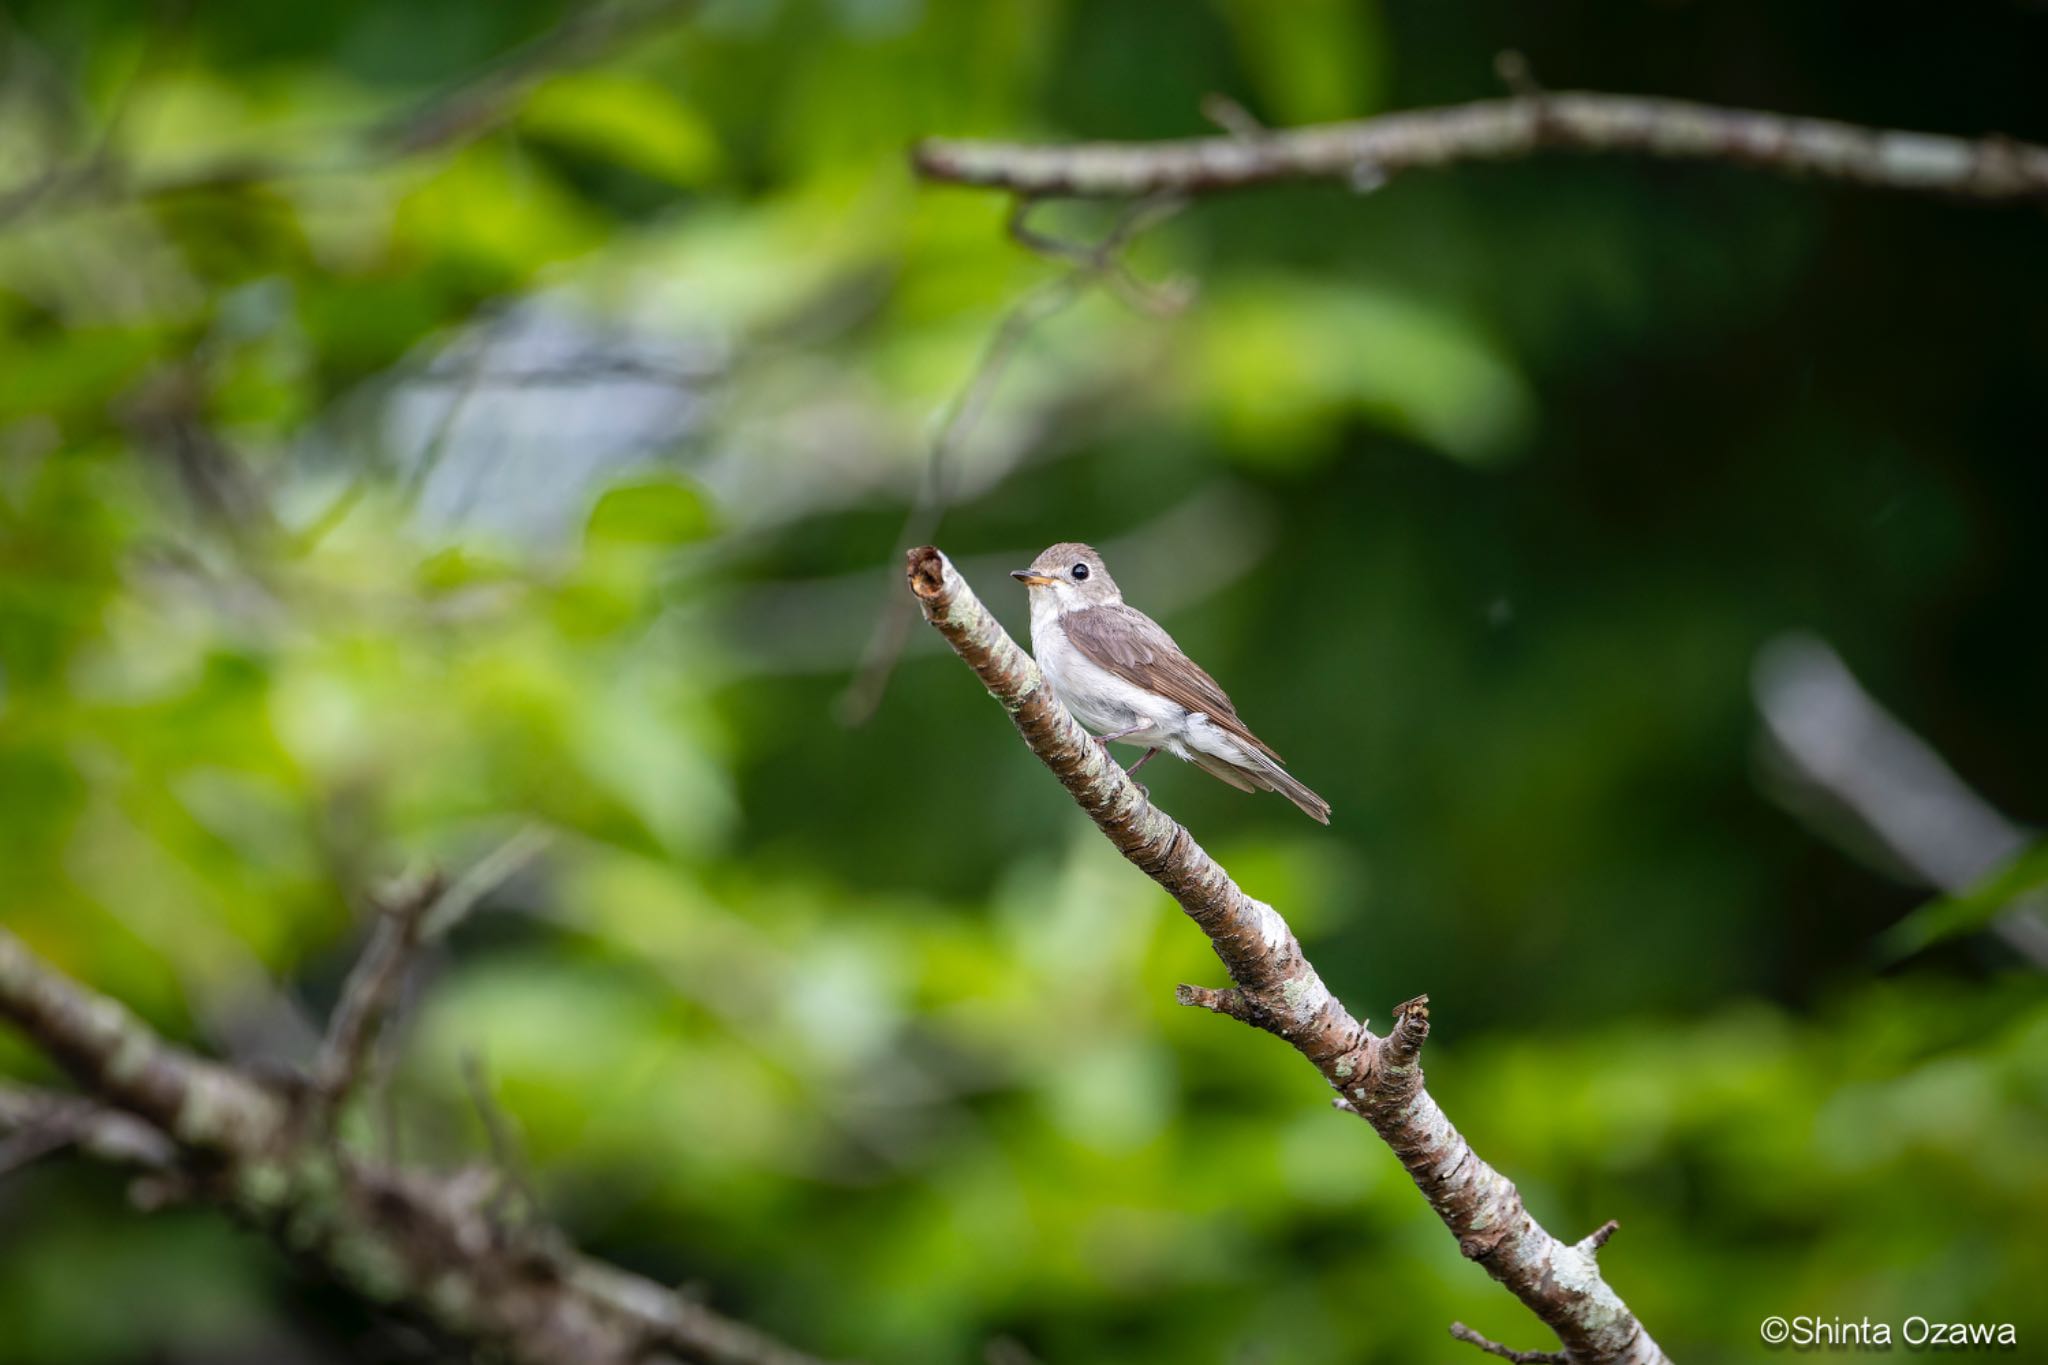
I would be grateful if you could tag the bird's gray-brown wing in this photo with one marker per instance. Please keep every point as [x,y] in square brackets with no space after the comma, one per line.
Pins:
[1137,649]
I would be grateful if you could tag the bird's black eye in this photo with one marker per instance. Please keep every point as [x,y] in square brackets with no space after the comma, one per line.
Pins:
[1080,572]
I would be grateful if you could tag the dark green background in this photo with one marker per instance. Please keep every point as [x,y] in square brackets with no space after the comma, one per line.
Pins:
[1481,492]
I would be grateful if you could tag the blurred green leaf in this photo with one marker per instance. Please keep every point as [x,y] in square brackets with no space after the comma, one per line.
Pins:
[1285,362]
[650,512]
[628,119]
[1312,61]
[1947,917]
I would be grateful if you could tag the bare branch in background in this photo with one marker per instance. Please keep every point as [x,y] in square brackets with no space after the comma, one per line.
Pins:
[371,990]
[438,439]
[1371,150]
[1105,260]
[38,1122]
[508,1166]
[1842,744]
[409,917]
[596,369]
[168,417]
[484,876]
[1277,990]
[435,1247]
[1232,117]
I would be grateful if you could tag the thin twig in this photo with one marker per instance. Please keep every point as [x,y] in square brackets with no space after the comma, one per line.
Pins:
[1232,117]
[1230,1001]
[1517,74]
[508,1164]
[442,436]
[1105,260]
[168,414]
[29,1146]
[39,1122]
[484,876]
[1491,1347]
[410,918]
[371,990]
[596,369]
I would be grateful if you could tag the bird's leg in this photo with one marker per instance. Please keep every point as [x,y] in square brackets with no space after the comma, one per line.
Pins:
[1132,772]
[1104,740]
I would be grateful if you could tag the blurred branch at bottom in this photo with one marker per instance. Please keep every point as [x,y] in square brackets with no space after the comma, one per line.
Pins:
[428,1245]
[1276,989]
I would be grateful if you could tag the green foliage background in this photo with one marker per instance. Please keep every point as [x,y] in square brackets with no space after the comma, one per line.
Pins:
[1481,492]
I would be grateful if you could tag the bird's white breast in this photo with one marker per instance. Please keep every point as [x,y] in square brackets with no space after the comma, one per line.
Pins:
[1100,699]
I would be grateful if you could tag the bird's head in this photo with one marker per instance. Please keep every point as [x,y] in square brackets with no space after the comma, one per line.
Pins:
[1074,574]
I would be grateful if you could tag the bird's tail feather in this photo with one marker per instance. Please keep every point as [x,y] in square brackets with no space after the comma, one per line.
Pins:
[1265,774]
[1297,791]
[1224,770]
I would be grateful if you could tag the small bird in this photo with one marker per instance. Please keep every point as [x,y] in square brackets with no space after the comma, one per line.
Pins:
[1122,675]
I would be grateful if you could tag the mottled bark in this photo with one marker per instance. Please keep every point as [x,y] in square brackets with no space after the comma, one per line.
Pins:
[1276,989]
[1365,152]
[431,1246]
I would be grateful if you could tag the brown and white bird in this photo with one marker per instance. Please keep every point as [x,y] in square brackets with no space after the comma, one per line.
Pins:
[1122,676]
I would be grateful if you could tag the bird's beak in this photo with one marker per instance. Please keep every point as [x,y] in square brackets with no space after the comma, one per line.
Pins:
[1030,579]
